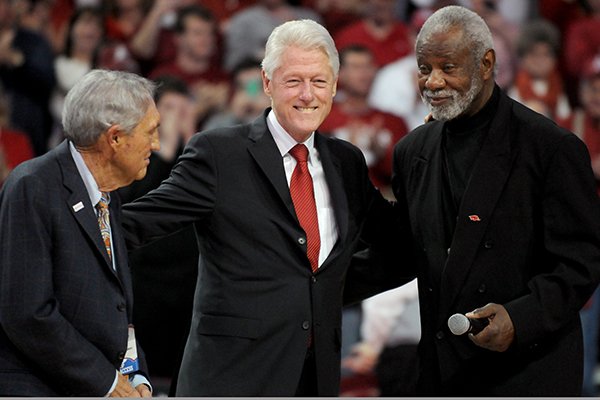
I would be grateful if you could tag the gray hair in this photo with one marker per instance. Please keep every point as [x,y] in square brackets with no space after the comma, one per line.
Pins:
[104,98]
[305,34]
[477,35]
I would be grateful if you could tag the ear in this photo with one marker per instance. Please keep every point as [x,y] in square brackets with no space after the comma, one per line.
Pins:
[265,82]
[113,136]
[487,64]
[334,88]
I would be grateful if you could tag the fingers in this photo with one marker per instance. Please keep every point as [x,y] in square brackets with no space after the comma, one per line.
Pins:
[487,311]
[124,388]
[143,390]
[499,334]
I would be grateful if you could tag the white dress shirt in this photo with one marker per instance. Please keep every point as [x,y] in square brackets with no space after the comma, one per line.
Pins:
[328,230]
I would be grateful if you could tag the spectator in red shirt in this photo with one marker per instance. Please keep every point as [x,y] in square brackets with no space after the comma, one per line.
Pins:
[194,63]
[15,146]
[538,80]
[585,120]
[581,44]
[585,123]
[380,31]
[353,119]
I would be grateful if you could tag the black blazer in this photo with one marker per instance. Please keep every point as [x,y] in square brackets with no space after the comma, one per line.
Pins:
[64,311]
[527,236]
[256,299]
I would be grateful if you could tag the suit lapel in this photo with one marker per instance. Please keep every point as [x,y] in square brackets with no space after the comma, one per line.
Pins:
[425,206]
[490,172]
[79,203]
[332,167]
[266,154]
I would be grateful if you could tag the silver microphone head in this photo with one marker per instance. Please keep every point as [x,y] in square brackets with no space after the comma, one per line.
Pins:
[459,324]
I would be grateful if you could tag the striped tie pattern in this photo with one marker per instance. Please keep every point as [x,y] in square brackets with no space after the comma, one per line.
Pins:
[303,196]
[104,221]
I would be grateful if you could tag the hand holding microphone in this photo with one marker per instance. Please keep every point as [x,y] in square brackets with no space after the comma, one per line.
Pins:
[500,332]
[459,324]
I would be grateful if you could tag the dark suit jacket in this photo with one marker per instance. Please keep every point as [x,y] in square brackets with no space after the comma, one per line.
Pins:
[256,299]
[527,236]
[64,312]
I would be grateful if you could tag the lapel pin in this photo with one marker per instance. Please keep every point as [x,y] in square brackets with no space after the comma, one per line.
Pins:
[78,206]
[474,218]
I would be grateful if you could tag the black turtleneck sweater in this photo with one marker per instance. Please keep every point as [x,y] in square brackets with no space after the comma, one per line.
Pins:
[461,143]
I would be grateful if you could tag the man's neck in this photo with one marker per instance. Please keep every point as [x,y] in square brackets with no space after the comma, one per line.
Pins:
[100,168]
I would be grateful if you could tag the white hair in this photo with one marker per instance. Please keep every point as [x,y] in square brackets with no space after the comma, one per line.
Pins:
[476,33]
[104,98]
[305,34]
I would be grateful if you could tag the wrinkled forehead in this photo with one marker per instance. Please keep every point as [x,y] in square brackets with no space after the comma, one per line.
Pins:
[444,44]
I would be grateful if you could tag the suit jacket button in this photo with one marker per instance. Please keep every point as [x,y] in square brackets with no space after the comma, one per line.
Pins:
[482,288]
[313,279]
[488,244]
[439,335]
[301,240]
[121,355]
[448,251]
[305,325]
[121,307]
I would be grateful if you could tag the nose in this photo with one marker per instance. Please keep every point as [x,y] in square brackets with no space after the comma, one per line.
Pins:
[155,143]
[435,80]
[306,93]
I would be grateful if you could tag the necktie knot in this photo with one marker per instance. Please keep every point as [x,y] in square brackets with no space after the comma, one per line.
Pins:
[104,200]
[299,152]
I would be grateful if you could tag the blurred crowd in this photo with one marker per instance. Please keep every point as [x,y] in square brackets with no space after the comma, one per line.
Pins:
[547,58]
[206,56]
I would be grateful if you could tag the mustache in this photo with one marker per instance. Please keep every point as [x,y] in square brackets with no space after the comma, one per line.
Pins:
[438,93]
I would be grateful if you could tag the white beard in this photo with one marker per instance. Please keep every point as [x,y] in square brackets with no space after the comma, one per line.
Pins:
[457,105]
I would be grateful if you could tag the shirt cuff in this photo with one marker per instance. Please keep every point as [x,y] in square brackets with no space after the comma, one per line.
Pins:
[139,379]
[114,385]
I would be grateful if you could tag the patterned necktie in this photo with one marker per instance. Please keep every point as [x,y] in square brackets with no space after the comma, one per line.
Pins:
[104,221]
[303,196]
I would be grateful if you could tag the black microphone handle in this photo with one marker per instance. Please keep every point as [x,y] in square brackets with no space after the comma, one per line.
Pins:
[477,325]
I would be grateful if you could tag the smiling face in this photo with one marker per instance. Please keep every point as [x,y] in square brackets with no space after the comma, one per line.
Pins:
[301,91]
[133,150]
[451,82]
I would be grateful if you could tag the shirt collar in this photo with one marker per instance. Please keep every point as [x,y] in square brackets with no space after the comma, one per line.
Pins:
[283,140]
[87,177]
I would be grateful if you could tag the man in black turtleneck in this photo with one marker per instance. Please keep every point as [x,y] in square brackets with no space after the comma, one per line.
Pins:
[505,221]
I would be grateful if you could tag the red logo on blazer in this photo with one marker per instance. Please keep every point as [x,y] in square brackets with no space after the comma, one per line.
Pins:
[474,218]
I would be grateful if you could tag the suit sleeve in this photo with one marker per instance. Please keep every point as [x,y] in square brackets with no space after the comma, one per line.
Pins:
[187,196]
[571,240]
[29,310]
[383,260]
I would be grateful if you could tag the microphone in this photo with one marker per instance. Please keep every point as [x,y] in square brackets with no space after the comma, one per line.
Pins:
[459,324]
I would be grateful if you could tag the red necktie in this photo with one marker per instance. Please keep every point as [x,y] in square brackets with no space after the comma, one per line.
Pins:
[303,196]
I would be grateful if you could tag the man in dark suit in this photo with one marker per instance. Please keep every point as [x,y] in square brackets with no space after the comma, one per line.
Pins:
[502,207]
[274,253]
[65,288]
